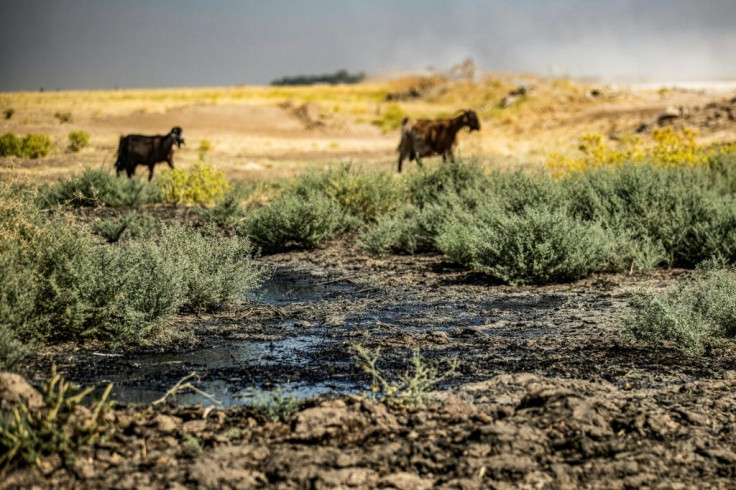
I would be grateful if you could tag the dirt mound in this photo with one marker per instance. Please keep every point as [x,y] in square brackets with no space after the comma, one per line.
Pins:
[13,389]
[711,117]
[511,431]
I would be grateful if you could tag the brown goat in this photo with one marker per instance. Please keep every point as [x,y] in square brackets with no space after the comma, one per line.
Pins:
[136,149]
[427,137]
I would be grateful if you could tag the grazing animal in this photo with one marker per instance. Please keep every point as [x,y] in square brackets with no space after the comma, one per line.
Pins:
[136,149]
[427,137]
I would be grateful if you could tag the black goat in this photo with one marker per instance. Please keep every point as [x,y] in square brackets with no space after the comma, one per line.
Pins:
[426,137]
[136,149]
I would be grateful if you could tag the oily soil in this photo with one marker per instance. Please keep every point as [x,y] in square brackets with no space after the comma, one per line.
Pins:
[548,393]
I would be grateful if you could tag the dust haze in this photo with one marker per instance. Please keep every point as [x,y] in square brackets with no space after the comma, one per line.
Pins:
[70,44]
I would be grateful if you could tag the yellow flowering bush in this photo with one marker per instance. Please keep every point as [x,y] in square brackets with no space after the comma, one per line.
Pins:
[201,185]
[668,148]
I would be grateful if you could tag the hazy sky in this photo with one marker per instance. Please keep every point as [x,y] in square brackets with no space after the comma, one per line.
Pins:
[154,43]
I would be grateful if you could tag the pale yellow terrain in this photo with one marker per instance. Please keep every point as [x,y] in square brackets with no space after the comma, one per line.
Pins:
[271,132]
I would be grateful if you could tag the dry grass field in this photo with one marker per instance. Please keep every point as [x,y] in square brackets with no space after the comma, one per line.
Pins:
[270,132]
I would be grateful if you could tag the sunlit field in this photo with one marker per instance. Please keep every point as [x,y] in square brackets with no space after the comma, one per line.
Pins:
[284,292]
[263,132]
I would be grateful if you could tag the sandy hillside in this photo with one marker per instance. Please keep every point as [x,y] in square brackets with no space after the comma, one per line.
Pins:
[266,132]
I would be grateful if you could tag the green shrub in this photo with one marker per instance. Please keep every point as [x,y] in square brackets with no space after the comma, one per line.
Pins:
[294,220]
[30,146]
[204,147]
[63,117]
[97,187]
[36,145]
[390,118]
[434,185]
[720,174]
[517,191]
[412,388]
[536,246]
[228,211]
[12,350]
[11,145]
[78,140]
[397,233]
[361,195]
[112,229]
[60,427]
[214,268]
[201,185]
[692,316]
[675,209]
[58,283]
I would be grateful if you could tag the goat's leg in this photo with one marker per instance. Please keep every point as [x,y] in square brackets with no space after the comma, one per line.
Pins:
[170,161]
[130,170]
[401,160]
[150,172]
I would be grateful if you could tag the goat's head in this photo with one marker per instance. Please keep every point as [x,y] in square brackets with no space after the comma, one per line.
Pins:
[470,119]
[176,134]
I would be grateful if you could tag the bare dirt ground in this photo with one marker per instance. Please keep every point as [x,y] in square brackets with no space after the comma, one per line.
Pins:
[547,395]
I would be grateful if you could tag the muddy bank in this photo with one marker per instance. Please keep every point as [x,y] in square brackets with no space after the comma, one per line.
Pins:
[298,332]
[548,393]
[512,431]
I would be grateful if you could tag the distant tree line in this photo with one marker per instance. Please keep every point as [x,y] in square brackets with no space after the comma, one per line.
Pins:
[341,76]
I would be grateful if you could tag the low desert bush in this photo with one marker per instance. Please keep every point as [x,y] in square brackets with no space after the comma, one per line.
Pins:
[60,427]
[229,211]
[668,148]
[390,118]
[434,185]
[294,220]
[412,387]
[654,215]
[78,140]
[214,269]
[58,282]
[535,246]
[364,196]
[131,224]
[204,147]
[97,187]
[692,316]
[675,209]
[201,185]
[63,116]
[395,233]
[8,113]
[29,146]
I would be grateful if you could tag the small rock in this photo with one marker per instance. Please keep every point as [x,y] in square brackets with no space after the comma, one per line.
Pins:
[166,423]
[403,480]
[194,426]
[471,332]
[13,388]
[439,337]
[669,114]
[84,469]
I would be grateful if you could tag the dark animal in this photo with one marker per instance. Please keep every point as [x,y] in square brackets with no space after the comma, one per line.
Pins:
[427,137]
[136,149]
